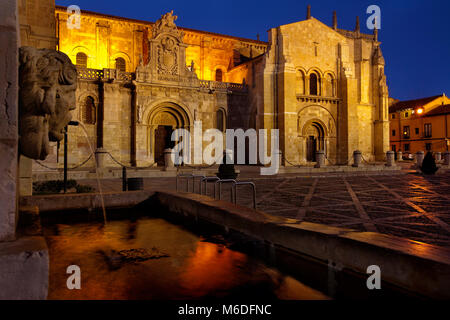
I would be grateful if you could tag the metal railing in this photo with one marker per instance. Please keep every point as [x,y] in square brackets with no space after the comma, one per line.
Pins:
[205,182]
[245,184]
[183,176]
[203,187]
[222,181]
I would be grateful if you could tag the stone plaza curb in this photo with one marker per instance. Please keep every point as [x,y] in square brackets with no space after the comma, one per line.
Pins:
[413,266]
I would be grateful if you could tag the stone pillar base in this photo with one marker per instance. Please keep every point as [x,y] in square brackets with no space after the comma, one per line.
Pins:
[168,160]
[357,158]
[24,269]
[100,157]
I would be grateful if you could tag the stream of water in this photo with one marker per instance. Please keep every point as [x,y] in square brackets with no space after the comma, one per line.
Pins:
[99,185]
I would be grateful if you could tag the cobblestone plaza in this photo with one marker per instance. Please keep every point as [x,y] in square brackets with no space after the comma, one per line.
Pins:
[406,205]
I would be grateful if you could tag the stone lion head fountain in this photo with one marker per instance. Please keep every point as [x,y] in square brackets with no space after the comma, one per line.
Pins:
[48,81]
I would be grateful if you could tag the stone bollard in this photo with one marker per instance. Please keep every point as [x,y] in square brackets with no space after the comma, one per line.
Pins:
[357,157]
[100,157]
[168,160]
[280,158]
[419,158]
[399,156]
[320,157]
[390,159]
[438,156]
[447,158]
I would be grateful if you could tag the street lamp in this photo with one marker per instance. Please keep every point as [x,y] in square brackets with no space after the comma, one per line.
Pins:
[75,124]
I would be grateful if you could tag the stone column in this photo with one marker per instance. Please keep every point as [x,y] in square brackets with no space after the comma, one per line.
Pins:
[168,160]
[100,157]
[399,156]
[390,158]
[23,262]
[447,158]
[357,157]
[438,156]
[419,158]
[9,137]
[320,157]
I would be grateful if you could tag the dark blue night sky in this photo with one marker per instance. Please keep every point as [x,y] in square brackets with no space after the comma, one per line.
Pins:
[415,34]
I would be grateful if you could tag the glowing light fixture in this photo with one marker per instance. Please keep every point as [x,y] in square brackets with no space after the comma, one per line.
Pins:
[420,111]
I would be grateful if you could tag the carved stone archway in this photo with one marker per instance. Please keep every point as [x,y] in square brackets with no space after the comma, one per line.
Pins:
[162,121]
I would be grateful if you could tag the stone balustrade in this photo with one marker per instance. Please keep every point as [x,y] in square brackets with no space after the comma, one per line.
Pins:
[113,74]
[222,86]
[105,74]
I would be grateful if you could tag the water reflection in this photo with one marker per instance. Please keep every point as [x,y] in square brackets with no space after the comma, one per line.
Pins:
[194,270]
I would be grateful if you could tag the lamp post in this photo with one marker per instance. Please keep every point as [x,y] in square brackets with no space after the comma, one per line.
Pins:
[75,124]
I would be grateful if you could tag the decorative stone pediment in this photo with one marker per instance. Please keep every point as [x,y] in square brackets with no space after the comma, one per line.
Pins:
[167,55]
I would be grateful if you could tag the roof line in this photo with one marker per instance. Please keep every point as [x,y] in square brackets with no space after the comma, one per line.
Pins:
[63,8]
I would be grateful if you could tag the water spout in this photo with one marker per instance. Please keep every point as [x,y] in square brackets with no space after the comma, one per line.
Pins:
[99,186]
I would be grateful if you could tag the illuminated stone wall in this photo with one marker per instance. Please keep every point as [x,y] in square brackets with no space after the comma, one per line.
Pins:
[105,38]
[265,86]
[348,109]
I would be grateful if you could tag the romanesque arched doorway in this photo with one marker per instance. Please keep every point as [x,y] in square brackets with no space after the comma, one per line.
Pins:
[315,140]
[164,120]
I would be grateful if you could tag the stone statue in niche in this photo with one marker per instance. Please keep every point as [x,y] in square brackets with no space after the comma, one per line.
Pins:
[383,84]
[48,81]
[140,114]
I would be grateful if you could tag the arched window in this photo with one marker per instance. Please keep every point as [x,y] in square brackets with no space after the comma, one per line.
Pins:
[88,111]
[82,60]
[314,84]
[121,65]
[219,75]
[221,120]
[329,86]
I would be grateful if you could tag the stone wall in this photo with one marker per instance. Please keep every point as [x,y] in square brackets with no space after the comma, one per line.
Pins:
[9,43]
[37,23]
[346,110]
[105,38]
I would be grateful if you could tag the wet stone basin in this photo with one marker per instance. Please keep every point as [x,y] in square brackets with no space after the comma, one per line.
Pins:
[150,258]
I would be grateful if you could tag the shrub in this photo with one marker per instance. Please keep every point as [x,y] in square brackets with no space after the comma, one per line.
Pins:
[57,186]
[429,164]
[84,189]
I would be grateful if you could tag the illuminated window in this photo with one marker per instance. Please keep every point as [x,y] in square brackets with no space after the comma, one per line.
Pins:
[121,65]
[406,132]
[221,120]
[406,114]
[82,60]
[219,75]
[427,130]
[314,84]
[88,111]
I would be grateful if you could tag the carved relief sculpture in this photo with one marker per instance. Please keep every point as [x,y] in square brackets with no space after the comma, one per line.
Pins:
[48,81]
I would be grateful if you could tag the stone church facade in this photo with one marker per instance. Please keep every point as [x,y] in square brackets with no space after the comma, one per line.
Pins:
[324,88]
